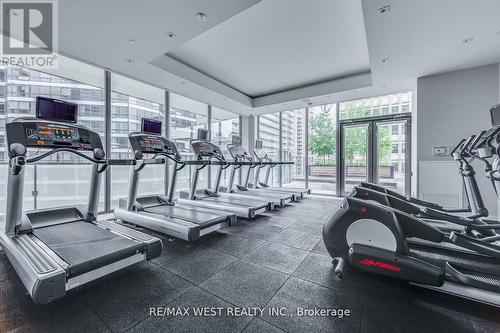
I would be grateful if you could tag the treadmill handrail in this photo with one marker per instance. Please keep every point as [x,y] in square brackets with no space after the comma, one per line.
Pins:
[68,150]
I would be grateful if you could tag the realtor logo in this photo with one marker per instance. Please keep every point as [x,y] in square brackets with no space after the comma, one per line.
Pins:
[29,33]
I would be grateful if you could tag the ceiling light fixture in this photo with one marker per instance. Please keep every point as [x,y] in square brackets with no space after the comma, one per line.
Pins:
[202,17]
[385,60]
[170,34]
[468,40]
[384,10]
[131,41]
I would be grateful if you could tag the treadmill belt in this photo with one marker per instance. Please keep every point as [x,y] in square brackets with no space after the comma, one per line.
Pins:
[85,246]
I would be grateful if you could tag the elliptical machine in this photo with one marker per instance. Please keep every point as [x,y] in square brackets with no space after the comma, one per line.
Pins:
[375,239]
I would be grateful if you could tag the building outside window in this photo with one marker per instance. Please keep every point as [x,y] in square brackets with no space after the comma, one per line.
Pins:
[131,101]
[186,117]
[269,135]
[62,179]
[224,126]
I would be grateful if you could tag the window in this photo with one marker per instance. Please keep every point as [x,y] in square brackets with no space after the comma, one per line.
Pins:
[395,148]
[223,127]
[129,104]
[62,179]
[375,106]
[186,117]
[395,129]
[293,136]
[322,148]
[269,135]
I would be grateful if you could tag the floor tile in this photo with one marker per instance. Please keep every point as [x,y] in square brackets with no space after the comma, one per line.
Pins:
[123,299]
[320,248]
[279,257]
[297,237]
[230,243]
[195,298]
[199,264]
[245,284]
[298,294]
[259,326]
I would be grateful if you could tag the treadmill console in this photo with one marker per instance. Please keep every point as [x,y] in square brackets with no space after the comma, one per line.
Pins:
[261,155]
[238,153]
[43,134]
[205,149]
[153,144]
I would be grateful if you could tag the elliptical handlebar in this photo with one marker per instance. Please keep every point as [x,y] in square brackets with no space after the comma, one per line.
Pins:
[457,147]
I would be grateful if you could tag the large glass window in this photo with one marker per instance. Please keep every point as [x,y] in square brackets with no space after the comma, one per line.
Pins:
[322,149]
[293,147]
[269,132]
[390,137]
[62,179]
[130,102]
[376,106]
[186,117]
[223,127]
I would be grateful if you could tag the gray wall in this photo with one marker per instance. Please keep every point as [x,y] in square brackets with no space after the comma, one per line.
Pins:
[452,106]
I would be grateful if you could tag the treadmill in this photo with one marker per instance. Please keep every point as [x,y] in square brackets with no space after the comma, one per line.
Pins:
[242,158]
[207,153]
[57,249]
[265,160]
[159,212]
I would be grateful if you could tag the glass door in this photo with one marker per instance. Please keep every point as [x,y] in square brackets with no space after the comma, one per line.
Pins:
[391,155]
[376,150]
[354,160]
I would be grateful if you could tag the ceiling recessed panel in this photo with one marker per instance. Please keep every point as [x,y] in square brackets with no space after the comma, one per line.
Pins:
[281,44]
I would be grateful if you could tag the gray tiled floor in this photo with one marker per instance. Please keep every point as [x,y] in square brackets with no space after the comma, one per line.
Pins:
[277,260]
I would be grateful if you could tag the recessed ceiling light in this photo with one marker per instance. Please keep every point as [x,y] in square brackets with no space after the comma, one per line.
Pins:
[129,60]
[170,34]
[385,60]
[468,40]
[384,10]
[202,17]
[131,41]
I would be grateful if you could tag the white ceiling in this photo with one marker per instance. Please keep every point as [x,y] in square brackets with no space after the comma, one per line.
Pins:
[316,51]
[281,44]
[98,32]
[426,37]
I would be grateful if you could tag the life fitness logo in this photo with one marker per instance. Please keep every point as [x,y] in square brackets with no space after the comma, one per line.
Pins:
[380,264]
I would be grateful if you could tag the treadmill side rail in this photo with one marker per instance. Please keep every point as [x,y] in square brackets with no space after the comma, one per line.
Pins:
[42,277]
[187,231]
[153,245]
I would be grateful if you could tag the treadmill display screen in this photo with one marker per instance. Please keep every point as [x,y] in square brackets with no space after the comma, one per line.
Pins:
[152,143]
[56,110]
[151,126]
[53,133]
[205,149]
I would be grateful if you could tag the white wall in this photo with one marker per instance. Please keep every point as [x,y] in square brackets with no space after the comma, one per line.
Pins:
[452,106]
